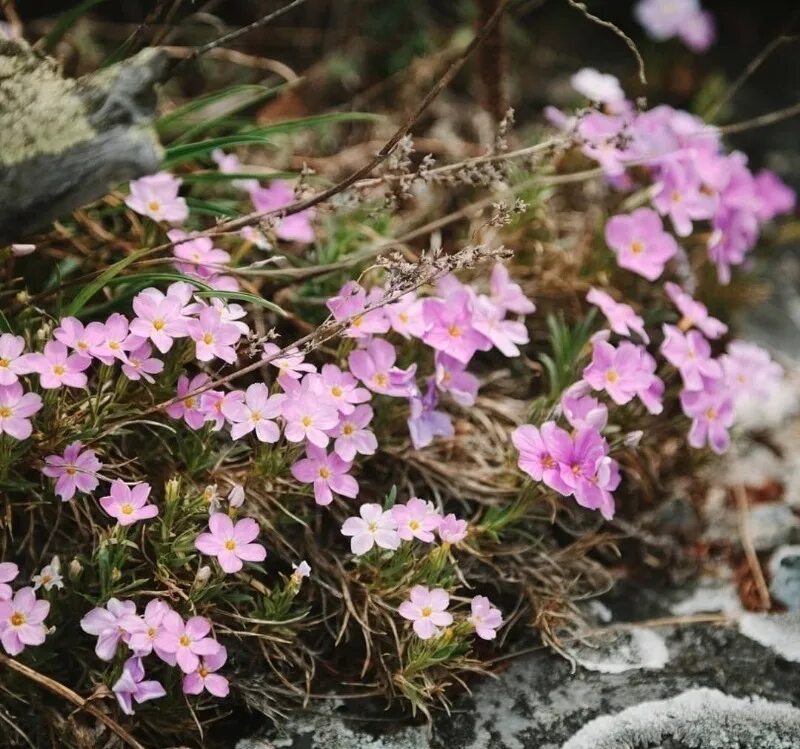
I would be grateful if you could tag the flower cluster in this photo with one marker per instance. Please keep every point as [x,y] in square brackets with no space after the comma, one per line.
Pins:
[159,630]
[21,614]
[692,179]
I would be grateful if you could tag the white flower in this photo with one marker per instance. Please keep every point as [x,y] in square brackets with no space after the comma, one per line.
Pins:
[301,570]
[50,576]
[373,527]
[236,496]
[596,86]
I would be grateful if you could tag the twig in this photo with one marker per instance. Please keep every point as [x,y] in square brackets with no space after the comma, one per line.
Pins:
[233,35]
[756,63]
[763,120]
[742,506]
[618,31]
[73,697]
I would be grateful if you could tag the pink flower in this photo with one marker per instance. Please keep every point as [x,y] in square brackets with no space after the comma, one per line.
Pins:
[213,338]
[508,295]
[749,371]
[308,416]
[712,413]
[184,643]
[143,630]
[485,617]
[290,364]
[342,388]
[140,365]
[228,163]
[352,436]
[12,361]
[581,410]
[132,686]
[21,620]
[619,371]
[205,678]
[113,340]
[426,608]
[694,313]
[774,196]
[451,529]
[451,327]
[189,407]
[374,366]
[197,256]
[128,505]
[156,196]
[489,320]
[294,228]
[425,423]
[72,333]
[75,471]
[16,408]
[231,544]
[640,242]
[159,318]
[690,353]
[353,302]
[536,453]
[375,526]
[698,32]
[8,573]
[416,519]
[451,377]
[328,473]
[405,316]
[106,624]
[621,317]
[662,19]
[56,367]
[254,412]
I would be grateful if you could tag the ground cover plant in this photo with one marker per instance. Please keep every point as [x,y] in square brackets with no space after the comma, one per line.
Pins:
[266,437]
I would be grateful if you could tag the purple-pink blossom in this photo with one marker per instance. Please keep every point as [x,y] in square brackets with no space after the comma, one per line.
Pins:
[621,317]
[640,242]
[308,414]
[294,228]
[205,676]
[16,410]
[451,326]
[184,642]
[133,687]
[327,472]
[694,313]
[712,413]
[106,623]
[12,362]
[405,316]
[189,406]
[427,609]
[690,353]
[143,630]
[508,295]
[75,470]
[159,318]
[289,364]
[452,530]
[485,617]
[128,505]
[156,196]
[256,410]
[342,388]
[375,367]
[231,544]
[21,621]
[749,371]
[373,526]
[581,410]
[141,365]
[81,339]
[416,519]
[425,422]
[8,573]
[451,377]
[213,338]
[56,367]
[621,371]
[351,436]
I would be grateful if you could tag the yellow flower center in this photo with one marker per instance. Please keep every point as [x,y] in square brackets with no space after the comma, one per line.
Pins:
[372,527]
[47,579]
[255,416]
[324,472]
[612,376]
[711,414]
[203,671]
[4,363]
[357,321]
[126,509]
[185,641]
[336,391]
[676,196]
[427,611]
[208,339]
[637,247]
[5,412]
[59,370]
[113,345]
[403,317]
[152,632]
[159,324]
[71,470]
[414,525]
[230,544]
[154,206]
[454,331]
[17,619]
[82,345]
[307,421]
[189,402]
[380,379]
[348,429]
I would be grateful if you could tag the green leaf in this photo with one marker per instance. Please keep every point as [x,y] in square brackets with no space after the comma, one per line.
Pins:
[244,296]
[5,325]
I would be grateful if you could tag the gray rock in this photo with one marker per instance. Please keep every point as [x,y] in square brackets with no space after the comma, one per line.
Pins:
[778,632]
[772,525]
[784,567]
[65,142]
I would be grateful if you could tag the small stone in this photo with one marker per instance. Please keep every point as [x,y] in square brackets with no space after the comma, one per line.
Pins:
[784,567]
[771,525]
[778,632]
